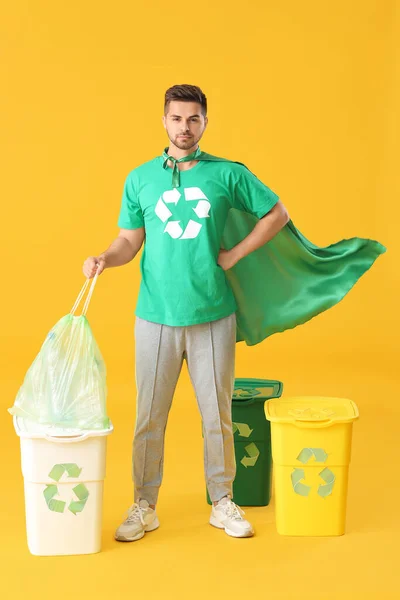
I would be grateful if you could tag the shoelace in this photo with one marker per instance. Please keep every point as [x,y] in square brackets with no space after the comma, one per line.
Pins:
[232,510]
[135,513]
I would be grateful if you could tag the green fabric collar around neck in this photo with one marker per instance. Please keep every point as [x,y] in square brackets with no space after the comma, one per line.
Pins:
[175,172]
[196,155]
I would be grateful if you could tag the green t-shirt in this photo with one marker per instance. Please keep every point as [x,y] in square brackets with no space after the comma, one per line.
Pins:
[182,284]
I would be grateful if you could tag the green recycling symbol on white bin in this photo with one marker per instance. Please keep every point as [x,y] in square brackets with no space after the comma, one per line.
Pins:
[51,490]
[253,452]
[326,474]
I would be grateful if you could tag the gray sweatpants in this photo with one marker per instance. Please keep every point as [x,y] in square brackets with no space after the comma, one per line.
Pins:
[209,349]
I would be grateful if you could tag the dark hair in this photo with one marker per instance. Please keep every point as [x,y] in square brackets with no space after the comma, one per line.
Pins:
[185,93]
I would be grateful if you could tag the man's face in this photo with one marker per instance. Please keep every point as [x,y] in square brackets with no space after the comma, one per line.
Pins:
[184,123]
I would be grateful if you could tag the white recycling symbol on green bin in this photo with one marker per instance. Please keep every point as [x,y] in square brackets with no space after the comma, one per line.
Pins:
[81,492]
[192,228]
[326,474]
[253,452]
[243,429]
[245,392]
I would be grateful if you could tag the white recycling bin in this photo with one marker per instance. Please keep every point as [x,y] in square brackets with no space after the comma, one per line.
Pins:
[64,473]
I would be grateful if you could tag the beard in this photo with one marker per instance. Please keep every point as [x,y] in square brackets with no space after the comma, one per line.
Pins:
[183,144]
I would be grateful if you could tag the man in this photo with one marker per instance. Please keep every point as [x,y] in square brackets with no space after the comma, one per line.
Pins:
[186,309]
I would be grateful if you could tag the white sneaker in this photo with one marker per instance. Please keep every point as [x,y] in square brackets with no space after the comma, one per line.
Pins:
[227,515]
[141,518]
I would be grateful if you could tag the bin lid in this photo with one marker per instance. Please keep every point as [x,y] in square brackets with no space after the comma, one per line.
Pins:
[311,409]
[29,429]
[260,389]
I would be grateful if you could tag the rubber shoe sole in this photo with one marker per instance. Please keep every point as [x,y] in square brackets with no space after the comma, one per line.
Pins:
[215,523]
[154,525]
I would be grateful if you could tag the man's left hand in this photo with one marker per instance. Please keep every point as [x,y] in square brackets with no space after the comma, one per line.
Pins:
[227,259]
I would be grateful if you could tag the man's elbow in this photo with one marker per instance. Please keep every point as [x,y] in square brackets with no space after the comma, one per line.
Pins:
[281,208]
[285,217]
[280,214]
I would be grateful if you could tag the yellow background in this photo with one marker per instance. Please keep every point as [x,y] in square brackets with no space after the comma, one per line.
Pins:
[306,94]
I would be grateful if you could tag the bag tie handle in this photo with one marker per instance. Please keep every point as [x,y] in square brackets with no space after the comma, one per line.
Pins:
[82,293]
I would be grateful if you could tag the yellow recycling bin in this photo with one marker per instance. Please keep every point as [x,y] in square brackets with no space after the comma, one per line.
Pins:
[311,447]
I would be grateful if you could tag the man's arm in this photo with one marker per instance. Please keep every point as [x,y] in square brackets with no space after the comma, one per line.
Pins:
[120,252]
[266,228]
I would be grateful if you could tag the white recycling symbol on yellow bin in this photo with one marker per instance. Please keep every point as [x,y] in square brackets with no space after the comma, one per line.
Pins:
[298,475]
[174,228]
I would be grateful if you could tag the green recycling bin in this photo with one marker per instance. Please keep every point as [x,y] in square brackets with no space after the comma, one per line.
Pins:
[252,435]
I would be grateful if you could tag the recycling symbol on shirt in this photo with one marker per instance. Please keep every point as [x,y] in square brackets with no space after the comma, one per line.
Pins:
[174,228]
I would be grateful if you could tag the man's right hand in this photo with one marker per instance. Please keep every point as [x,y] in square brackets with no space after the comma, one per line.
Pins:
[92,265]
[122,250]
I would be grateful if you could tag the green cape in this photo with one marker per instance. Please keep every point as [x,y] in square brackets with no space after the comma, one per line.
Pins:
[289,280]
